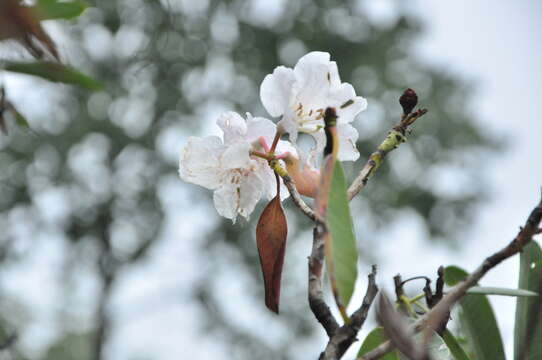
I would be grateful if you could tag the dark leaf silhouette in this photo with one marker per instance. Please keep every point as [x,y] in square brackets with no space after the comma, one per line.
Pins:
[22,24]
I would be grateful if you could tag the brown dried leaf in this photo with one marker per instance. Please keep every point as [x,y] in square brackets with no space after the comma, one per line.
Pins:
[21,23]
[271,233]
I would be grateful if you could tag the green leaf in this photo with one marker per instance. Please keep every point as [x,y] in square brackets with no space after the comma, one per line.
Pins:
[54,9]
[454,346]
[486,290]
[438,348]
[373,339]
[477,320]
[54,72]
[530,278]
[20,120]
[344,254]
[454,274]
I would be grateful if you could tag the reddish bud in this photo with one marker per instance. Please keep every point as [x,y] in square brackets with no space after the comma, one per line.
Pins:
[408,100]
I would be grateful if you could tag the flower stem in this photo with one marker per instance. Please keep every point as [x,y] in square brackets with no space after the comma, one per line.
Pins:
[261,155]
[278,134]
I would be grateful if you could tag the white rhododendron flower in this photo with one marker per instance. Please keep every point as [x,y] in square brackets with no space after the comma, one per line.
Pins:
[238,179]
[301,95]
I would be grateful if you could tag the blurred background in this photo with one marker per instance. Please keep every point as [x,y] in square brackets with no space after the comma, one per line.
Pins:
[106,254]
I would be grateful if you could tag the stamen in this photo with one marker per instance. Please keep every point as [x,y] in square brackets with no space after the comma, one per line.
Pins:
[348,103]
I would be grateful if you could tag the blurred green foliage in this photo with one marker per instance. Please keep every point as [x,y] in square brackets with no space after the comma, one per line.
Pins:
[167,67]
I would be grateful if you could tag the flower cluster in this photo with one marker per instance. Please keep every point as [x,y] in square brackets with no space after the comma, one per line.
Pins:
[236,166]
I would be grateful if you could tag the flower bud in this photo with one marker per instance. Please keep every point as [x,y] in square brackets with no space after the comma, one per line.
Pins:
[408,100]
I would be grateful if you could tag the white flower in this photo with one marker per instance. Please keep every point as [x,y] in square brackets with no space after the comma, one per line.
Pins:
[301,95]
[225,166]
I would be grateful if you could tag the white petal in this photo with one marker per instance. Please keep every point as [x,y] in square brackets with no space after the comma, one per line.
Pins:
[286,146]
[313,80]
[276,90]
[348,105]
[199,161]
[348,112]
[269,184]
[236,156]
[290,126]
[317,151]
[233,126]
[250,192]
[260,126]
[348,136]
[226,201]
[334,77]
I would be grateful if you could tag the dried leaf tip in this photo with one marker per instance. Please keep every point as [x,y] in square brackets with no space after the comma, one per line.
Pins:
[408,101]
[330,117]
[330,121]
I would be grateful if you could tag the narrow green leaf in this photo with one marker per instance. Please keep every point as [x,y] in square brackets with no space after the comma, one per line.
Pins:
[54,9]
[454,346]
[54,72]
[477,320]
[527,314]
[373,339]
[487,290]
[20,120]
[343,242]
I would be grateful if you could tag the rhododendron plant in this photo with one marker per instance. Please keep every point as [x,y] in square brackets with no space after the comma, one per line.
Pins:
[301,95]
[237,169]
[239,180]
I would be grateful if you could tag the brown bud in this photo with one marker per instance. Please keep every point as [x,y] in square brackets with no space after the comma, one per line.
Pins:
[330,116]
[408,100]
[330,121]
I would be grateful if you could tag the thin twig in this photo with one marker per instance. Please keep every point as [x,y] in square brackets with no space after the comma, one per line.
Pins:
[433,318]
[346,334]
[296,198]
[290,185]
[320,309]
[395,137]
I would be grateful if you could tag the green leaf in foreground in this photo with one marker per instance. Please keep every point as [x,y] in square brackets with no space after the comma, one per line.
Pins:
[477,320]
[454,346]
[54,9]
[343,242]
[54,72]
[528,312]
[438,348]
[373,339]
[486,290]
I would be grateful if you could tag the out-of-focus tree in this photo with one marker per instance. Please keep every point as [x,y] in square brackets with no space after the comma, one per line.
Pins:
[95,167]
